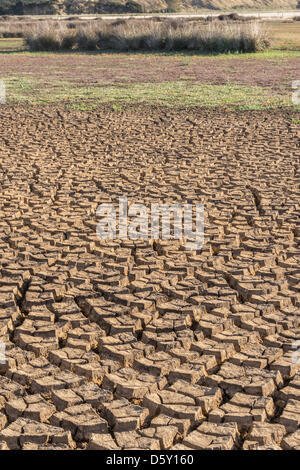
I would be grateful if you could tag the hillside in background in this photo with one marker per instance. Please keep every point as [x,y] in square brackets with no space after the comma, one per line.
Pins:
[40,7]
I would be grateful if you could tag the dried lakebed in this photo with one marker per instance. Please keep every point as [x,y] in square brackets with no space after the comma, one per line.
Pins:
[143,344]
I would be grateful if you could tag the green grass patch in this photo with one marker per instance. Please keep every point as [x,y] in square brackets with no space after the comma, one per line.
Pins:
[11,45]
[175,94]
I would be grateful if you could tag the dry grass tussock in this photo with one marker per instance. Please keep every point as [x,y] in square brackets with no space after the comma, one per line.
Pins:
[170,35]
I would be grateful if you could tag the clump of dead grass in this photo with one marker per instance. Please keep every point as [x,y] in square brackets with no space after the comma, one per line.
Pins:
[135,35]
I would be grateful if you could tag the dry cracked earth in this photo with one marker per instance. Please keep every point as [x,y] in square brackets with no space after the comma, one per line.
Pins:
[143,344]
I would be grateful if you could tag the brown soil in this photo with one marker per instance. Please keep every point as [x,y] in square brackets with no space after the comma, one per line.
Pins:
[122,68]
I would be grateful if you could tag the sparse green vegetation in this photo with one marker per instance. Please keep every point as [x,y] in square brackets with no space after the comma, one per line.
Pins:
[173,6]
[180,93]
[82,79]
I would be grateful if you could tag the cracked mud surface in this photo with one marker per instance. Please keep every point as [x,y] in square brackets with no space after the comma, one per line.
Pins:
[145,345]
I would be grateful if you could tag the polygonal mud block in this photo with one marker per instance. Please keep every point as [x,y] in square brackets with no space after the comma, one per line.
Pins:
[3,420]
[284,340]
[173,404]
[82,420]
[211,324]
[291,441]
[191,373]
[40,328]
[159,363]
[256,355]
[123,348]
[65,398]
[197,440]
[66,358]
[131,440]
[40,346]
[261,326]
[42,314]
[90,393]
[41,447]
[289,392]
[184,355]
[236,336]
[244,410]
[286,365]
[219,430]
[161,341]
[102,442]
[207,398]
[266,433]
[162,420]
[24,430]
[3,446]
[123,324]
[62,379]
[290,417]
[232,379]
[26,373]
[9,390]
[66,307]
[33,407]
[250,445]
[221,351]
[123,416]
[87,332]
[164,434]
[181,447]
[131,384]
[74,320]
